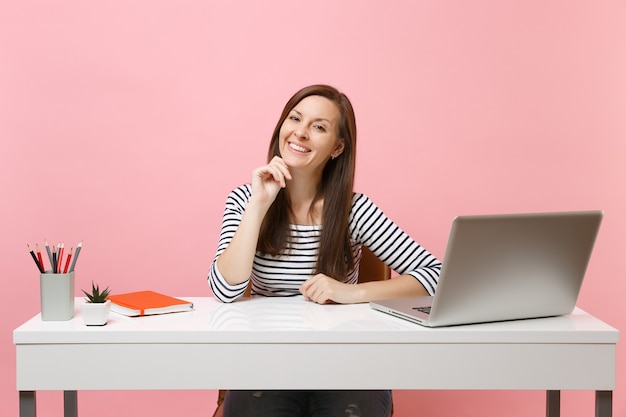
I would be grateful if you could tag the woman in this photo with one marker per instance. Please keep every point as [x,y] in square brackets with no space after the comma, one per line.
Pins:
[298,229]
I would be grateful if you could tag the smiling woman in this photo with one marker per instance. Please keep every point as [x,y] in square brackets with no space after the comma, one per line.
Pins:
[309,136]
[127,123]
[299,229]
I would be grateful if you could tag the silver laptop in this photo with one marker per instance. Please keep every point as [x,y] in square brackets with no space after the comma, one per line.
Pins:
[506,267]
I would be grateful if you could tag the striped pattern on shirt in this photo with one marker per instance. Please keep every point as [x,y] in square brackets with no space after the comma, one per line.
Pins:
[282,275]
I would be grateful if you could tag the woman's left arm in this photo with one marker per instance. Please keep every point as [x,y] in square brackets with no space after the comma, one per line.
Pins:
[323,289]
[418,269]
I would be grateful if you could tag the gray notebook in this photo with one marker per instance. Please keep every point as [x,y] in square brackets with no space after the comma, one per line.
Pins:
[506,267]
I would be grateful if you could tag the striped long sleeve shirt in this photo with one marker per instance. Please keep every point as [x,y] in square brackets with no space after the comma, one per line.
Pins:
[283,275]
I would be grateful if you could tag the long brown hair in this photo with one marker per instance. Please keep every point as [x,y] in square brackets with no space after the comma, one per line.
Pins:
[336,189]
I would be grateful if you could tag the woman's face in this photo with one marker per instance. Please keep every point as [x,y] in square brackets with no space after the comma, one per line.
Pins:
[308,137]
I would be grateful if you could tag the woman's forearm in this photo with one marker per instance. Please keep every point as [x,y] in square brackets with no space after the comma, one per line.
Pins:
[400,286]
[235,263]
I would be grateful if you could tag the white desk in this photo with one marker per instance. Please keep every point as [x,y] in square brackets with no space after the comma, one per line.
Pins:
[370,349]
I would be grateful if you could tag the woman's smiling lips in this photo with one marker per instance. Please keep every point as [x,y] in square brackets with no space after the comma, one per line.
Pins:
[298,148]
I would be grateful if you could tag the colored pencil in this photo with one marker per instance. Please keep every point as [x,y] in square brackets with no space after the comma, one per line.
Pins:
[67,262]
[61,248]
[39,257]
[49,253]
[78,247]
[54,260]
[34,258]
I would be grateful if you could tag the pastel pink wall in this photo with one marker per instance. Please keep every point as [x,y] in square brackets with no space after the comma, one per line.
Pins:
[125,124]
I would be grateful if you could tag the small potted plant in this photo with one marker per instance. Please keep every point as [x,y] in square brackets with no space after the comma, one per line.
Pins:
[96,307]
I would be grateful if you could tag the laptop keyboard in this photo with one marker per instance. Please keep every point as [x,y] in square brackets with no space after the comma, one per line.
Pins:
[425,310]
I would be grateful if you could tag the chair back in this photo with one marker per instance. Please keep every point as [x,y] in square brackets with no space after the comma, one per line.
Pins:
[372,268]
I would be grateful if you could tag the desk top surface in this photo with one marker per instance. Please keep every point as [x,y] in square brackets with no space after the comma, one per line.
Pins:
[294,320]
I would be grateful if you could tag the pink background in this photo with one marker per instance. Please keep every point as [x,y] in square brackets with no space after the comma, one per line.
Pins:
[125,124]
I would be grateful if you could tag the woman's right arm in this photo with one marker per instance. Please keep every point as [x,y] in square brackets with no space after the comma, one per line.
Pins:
[235,262]
[233,214]
[245,210]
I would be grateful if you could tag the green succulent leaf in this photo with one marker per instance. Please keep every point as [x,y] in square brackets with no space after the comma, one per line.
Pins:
[96,296]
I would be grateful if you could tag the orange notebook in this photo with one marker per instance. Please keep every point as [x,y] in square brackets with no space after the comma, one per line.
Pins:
[145,303]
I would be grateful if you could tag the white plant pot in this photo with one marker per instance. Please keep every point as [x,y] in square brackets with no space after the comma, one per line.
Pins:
[96,314]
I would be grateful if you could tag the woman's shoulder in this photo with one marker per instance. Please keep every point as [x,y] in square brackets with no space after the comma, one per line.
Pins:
[362,203]
[243,188]
[241,194]
[360,198]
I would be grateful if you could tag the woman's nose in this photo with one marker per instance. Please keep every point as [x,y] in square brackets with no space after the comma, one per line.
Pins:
[300,133]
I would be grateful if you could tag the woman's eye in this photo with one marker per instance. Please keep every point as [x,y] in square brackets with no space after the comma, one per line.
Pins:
[294,118]
[320,128]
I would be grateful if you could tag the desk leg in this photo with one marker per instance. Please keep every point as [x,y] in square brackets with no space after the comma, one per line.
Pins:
[70,404]
[604,403]
[28,404]
[553,403]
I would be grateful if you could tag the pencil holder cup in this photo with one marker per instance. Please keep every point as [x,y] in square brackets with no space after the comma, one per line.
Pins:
[57,296]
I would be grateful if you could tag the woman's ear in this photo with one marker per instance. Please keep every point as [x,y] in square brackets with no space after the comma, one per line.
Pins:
[338,149]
